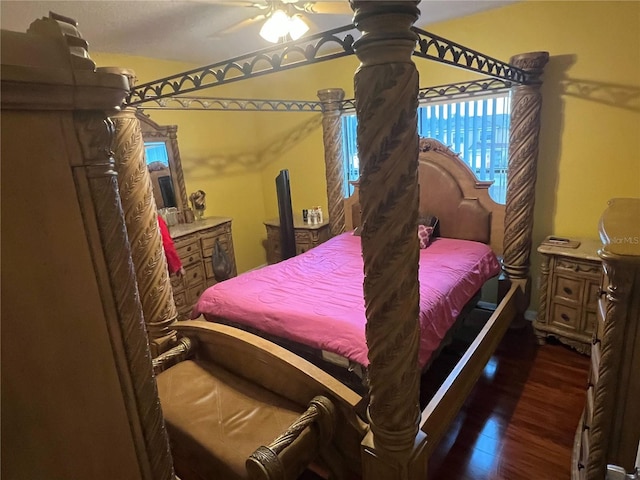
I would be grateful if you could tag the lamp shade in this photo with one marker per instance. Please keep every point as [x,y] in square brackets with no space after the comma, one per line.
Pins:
[297,27]
[276,26]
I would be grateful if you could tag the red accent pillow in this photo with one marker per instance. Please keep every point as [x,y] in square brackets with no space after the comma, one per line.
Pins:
[424,235]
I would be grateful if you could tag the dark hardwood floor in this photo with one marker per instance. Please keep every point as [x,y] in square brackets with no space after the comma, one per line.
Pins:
[520,419]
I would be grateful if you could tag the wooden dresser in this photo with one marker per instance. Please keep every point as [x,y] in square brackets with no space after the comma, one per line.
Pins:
[609,432]
[307,237]
[194,243]
[569,284]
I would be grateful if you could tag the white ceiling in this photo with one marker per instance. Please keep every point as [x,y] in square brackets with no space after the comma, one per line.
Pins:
[190,31]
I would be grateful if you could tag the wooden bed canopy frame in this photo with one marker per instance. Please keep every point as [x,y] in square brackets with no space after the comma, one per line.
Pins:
[397,437]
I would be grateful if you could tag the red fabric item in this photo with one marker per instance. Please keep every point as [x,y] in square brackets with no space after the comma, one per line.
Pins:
[173,260]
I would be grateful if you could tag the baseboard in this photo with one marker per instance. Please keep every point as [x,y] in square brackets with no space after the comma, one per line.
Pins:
[528,315]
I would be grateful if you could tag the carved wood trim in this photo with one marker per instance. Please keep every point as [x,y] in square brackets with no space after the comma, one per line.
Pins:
[141,219]
[386,87]
[544,287]
[526,103]
[97,175]
[620,280]
[169,133]
[334,165]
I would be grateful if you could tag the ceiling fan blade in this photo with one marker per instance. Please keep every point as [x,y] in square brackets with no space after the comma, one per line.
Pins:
[262,5]
[331,7]
[238,26]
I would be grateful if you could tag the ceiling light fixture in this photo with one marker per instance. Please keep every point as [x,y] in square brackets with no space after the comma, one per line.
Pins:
[279,25]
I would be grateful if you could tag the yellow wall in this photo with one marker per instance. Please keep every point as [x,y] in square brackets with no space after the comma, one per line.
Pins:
[591,119]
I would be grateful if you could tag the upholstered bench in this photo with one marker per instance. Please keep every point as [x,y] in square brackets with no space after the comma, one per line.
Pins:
[216,420]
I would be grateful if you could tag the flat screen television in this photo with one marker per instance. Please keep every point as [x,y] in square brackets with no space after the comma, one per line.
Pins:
[287,234]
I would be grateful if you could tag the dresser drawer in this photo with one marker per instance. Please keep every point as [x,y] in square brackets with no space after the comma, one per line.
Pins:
[565,316]
[193,293]
[569,289]
[177,283]
[209,240]
[582,268]
[188,251]
[193,257]
[194,275]
[303,247]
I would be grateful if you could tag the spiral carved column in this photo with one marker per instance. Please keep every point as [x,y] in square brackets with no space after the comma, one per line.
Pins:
[542,306]
[333,161]
[526,103]
[386,88]
[141,218]
[95,134]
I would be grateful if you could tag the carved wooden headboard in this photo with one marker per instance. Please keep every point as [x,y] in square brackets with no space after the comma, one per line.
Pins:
[450,191]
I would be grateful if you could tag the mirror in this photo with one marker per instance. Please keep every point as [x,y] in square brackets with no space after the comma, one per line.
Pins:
[165,168]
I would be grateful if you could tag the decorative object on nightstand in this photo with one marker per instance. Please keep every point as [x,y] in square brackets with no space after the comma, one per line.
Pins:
[570,278]
[609,431]
[307,236]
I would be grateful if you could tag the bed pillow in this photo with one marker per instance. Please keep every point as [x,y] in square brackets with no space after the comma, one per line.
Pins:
[430,221]
[424,235]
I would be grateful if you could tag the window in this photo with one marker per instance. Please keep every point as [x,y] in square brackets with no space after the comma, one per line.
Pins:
[156,152]
[477,129]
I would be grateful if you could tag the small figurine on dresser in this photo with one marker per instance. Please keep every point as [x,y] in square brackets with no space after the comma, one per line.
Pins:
[198,203]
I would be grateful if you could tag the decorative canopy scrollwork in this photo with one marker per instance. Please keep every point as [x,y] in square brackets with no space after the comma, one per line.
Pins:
[437,48]
[323,46]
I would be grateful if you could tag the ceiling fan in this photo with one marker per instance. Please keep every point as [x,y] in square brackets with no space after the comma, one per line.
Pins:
[284,19]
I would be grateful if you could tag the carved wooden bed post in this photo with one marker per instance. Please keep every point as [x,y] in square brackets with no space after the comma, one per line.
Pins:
[386,86]
[141,219]
[334,167]
[524,132]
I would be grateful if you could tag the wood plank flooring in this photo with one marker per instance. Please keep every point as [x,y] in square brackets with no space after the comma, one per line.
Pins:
[520,419]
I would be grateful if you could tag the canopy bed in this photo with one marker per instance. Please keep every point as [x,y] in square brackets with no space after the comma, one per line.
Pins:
[390,438]
[315,300]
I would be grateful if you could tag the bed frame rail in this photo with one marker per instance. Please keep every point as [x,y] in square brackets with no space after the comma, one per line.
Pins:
[445,404]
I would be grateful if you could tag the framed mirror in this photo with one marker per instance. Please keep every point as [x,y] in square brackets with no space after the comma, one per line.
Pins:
[165,167]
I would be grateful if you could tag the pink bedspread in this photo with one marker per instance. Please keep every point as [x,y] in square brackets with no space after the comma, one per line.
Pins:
[316,298]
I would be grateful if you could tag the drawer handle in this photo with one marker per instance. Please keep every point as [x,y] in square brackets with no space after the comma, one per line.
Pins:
[195,275]
[565,317]
[580,466]
[595,341]
[568,291]
[188,249]
[190,259]
[601,292]
[585,427]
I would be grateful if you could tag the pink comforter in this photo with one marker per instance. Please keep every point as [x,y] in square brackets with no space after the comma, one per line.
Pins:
[316,298]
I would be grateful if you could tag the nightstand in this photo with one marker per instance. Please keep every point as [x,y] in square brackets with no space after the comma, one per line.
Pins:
[570,281]
[307,237]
